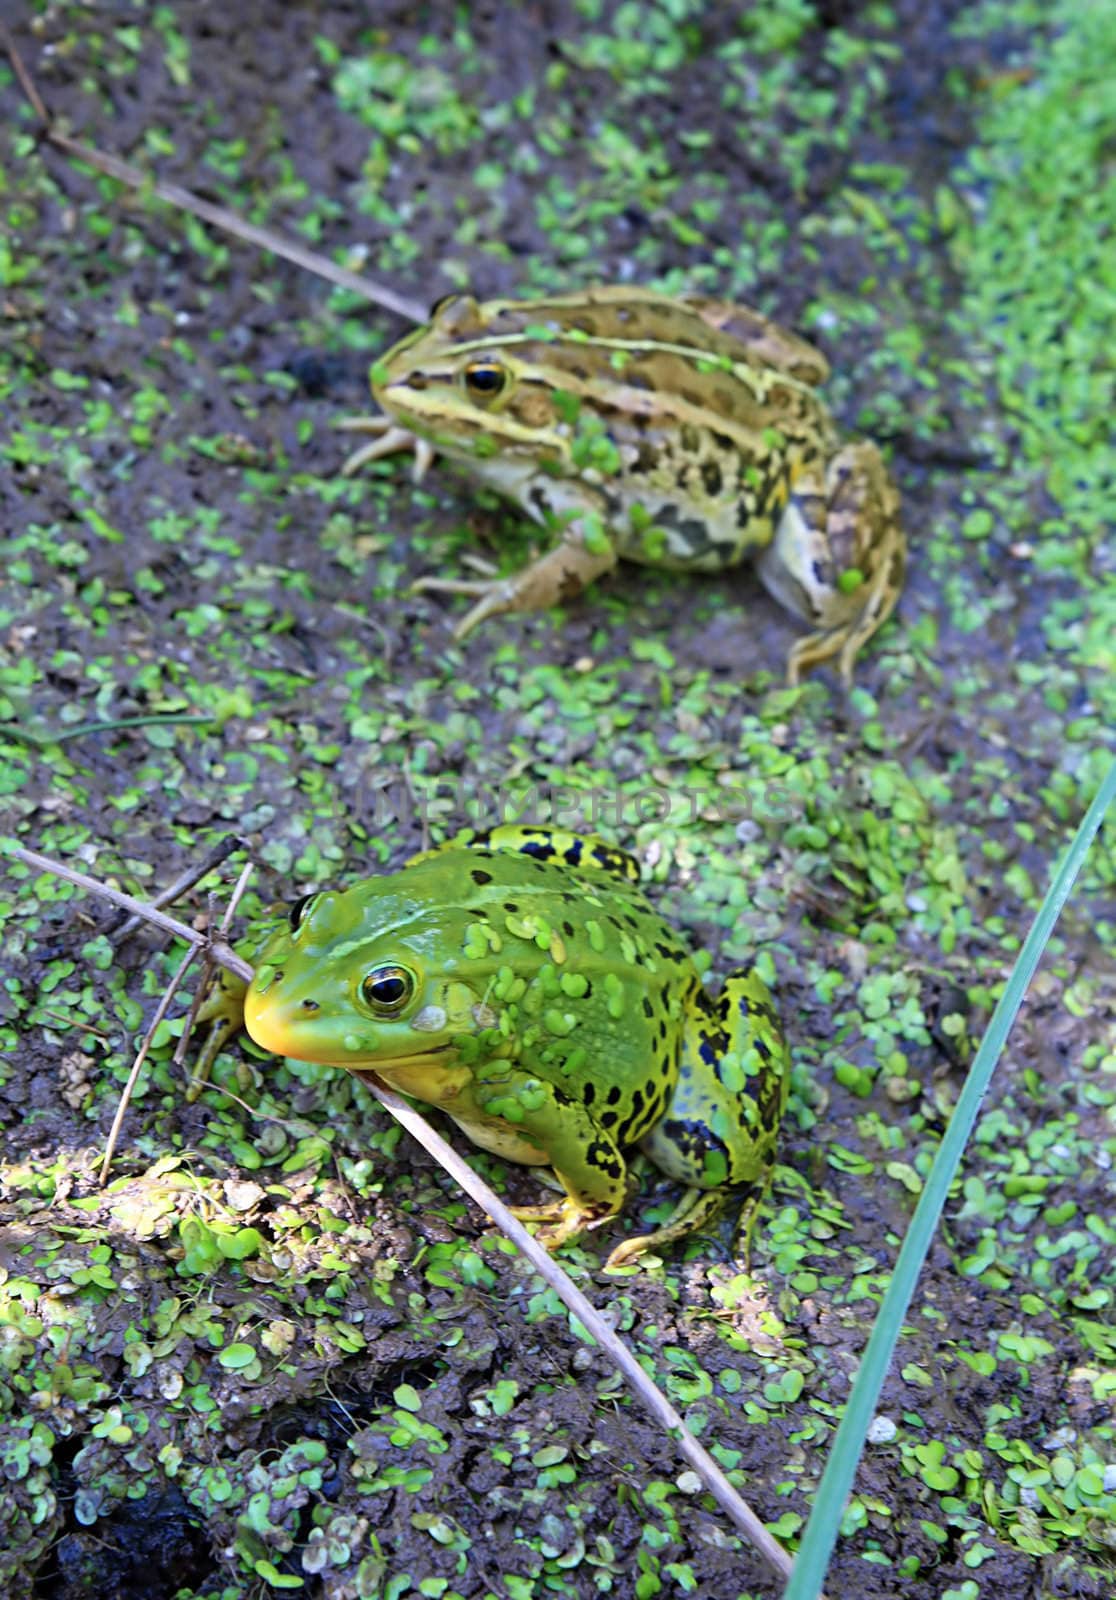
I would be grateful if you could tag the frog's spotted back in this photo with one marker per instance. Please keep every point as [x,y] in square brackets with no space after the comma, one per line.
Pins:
[585,851]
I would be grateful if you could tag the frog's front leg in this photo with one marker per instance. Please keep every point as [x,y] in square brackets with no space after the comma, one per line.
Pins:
[838,557]
[551,579]
[223,1010]
[517,1108]
[388,437]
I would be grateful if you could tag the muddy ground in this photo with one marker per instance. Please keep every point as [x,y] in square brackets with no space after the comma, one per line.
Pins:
[279,1352]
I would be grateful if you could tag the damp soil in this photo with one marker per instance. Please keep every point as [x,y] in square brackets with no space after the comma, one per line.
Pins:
[412,1405]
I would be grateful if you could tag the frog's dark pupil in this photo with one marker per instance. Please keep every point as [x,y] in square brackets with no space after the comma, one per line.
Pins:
[388,988]
[484,378]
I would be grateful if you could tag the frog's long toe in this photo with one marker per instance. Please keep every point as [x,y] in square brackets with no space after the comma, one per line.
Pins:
[817,648]
[846,640]
[389,438]
[561,1221]
[496,594]
[693,1211]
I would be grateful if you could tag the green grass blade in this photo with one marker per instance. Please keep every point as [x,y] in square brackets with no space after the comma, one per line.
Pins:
[848,1442]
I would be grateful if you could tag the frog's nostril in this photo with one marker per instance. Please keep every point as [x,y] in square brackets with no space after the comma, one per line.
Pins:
[310,1005]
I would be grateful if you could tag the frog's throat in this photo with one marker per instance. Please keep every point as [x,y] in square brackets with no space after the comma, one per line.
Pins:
[431,1075]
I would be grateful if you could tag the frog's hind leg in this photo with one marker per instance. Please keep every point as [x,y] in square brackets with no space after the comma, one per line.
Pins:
[721,1126]
[846,525]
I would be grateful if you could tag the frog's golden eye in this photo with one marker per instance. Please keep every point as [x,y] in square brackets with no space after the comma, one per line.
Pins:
[387,989]
[484,379]
[299,912]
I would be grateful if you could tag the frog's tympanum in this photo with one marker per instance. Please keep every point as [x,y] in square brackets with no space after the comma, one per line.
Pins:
[680,433]
[520,981]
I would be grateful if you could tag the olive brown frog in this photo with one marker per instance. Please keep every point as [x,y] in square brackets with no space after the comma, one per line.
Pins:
[679,432]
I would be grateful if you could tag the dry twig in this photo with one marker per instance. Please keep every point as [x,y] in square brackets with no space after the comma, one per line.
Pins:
[216,216]
[220,952]
[185,880]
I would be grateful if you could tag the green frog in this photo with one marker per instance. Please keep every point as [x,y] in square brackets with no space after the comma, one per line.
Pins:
[519,980]
[684,433]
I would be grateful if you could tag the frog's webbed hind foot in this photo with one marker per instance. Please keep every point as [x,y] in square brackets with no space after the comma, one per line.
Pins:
[558,575]
[563,1220]
[696,1209]
[876,601]
[693,1211]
